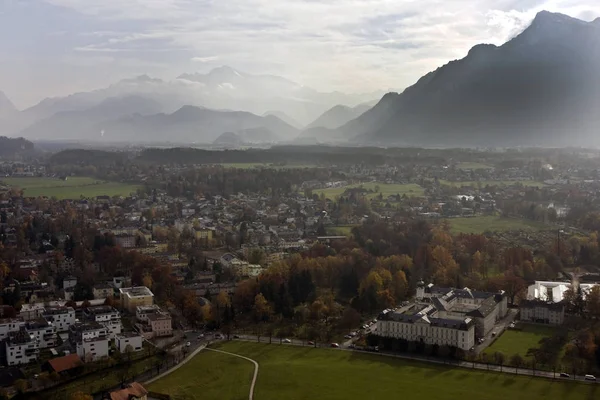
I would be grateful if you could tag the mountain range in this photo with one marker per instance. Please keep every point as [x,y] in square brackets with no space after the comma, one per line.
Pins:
[189,124]
[7,108]
[542,88]
[338,116]
[224,89]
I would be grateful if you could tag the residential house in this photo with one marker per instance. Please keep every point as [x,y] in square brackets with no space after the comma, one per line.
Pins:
[107,316]
[60,316]
[21,348]
[8,325]
[134,391]
[135,340]
[133,297]
[103,291]
[43,332]
[160,324]
[142,312]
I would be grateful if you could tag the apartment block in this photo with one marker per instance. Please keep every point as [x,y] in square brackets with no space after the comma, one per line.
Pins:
[133,297]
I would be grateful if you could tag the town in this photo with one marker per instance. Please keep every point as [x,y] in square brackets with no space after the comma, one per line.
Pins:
[119,265]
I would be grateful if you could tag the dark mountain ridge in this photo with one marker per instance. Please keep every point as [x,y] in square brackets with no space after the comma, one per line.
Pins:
[540,89]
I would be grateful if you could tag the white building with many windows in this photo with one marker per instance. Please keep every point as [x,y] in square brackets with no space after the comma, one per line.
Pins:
[90,340]
[107,316]
[421,323]
[135,340]
[542,312]
[21,348]
[484,308]
[43,332]
[8,325]
[60,316]
[93,349]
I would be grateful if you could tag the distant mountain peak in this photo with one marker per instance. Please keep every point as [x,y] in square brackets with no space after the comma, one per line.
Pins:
[142,79]
[6,106]
[481,48]
[547,17]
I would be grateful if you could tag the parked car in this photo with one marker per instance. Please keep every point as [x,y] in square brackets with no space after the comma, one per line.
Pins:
[347,337]
[590,378]
[311,343]
[236,336]
[335,345]
[286,341]
[493,334]
[188,344]
[564,375]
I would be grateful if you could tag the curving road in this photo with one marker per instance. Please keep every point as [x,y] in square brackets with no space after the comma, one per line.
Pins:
[251,394]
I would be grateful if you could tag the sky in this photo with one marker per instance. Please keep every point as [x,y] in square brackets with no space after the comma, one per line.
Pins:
[57,47]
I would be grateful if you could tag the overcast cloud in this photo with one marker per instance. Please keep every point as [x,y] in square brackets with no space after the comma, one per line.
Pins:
[56,47]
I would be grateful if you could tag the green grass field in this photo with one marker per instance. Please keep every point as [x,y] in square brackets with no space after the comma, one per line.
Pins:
[386,189]
[72,188]
[473,165]
[302,373]
[519,342]
[342,230]
[491,183]
[263,165]
[482,224]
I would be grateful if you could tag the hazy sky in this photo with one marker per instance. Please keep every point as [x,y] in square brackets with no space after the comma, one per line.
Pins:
[56,47]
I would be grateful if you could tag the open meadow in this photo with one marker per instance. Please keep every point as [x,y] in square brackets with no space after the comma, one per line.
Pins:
[483,184]
[513,341]
[386,189]
[265,165]
[480,224]
[303,373]
[72,188]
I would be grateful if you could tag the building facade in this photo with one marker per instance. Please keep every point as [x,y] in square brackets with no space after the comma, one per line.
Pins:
[61,317]
[129,339]
[106,316]
[43,332]
[133,297]
[21,348]
[142,312]
[542,312]
[421,323]
[160,324]
[484,308]
[92,349]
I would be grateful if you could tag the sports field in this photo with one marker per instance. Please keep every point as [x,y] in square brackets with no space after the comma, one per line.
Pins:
[482,224]
[303,373]
[72,188]
[520,341]
[386,189]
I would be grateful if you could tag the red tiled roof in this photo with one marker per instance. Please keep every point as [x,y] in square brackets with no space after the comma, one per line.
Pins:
[65,363]
[133,391]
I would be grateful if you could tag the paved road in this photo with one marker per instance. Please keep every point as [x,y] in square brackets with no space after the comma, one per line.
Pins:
[253,383]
